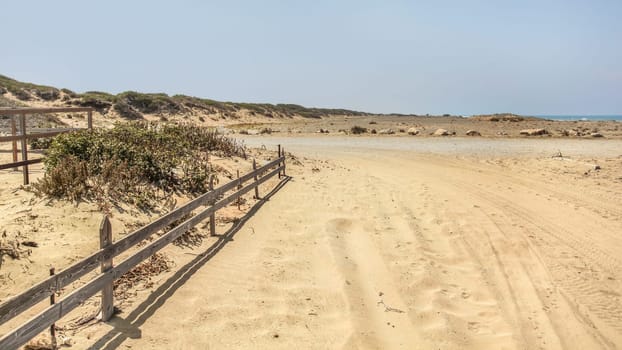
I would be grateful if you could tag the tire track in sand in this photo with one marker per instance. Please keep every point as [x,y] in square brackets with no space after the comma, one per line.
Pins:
[432,271]
[379,315]
[591,299]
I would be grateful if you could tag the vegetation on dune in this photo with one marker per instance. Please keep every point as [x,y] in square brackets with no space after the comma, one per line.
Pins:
[69,93]
[25,91]
[34,120]
[40,143]
[126,111]
[502,117]
[358,130]
[133,105]
[101,101]
[150,103]
[5,102]
[133,163]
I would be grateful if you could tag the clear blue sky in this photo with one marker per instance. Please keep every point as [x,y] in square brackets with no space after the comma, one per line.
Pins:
[443,56]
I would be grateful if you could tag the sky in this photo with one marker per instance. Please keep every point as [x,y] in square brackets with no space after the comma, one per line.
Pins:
[446,56]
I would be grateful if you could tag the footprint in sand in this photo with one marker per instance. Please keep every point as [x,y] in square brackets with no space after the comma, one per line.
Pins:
[339,224]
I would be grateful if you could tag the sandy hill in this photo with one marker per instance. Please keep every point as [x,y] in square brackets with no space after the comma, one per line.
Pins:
[131,105]
[284,118]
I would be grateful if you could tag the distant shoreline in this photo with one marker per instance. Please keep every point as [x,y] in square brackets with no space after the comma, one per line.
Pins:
[581,117]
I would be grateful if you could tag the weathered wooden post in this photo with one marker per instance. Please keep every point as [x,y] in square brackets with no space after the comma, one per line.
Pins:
[105,239]
[90,120]
[212,218]
[52,302]
[256,178]
[239,187]
[283,150]
[14,133]
[279,156]
[24,142]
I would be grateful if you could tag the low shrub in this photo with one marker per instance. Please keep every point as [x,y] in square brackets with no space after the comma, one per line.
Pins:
[126,111]
[22,94]
[150,103]
[358,130]
[69,93]
[41,143]
[48,95]
[132,162]
[101,101]
[68,179]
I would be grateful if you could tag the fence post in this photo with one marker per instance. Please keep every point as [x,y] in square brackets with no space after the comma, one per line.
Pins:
[283,150]
[255,177]
[212,218]
[90,120]
[105,239]
[239,187]
[52,302]
[14,133]
[24,141]
[279,156]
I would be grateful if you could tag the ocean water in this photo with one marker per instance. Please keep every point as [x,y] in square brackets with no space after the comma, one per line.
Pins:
[617,117]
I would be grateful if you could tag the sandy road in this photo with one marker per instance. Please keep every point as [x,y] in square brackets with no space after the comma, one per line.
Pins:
[391,250]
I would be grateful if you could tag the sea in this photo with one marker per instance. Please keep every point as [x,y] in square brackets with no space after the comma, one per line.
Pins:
[582,117]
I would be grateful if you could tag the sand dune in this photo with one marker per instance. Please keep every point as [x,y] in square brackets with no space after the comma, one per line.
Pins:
[405,250]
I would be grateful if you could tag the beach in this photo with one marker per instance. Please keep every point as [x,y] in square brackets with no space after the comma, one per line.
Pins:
[392,248]
[372,242]
[311,175]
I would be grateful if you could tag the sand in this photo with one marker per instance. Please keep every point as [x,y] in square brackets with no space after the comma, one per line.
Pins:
[426,126]
[403,243]
[394,249]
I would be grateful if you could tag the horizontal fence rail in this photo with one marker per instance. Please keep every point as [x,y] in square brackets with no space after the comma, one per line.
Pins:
[15,111]
[21,163]
[37,134]
[213,199]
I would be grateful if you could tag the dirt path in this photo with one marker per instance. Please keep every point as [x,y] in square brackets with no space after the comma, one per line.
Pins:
[402,250]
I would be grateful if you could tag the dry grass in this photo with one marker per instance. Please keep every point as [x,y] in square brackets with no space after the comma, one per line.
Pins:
[141,275]
[12,248]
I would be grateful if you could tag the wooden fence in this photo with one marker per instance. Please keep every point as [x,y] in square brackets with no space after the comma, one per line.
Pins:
[214,199]
[23,136]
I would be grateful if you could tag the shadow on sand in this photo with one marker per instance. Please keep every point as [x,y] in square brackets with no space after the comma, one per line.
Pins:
[128,327]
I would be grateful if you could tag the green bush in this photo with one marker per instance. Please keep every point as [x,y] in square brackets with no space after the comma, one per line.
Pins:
[132,162]
[99,100]
[21,94]
[48,95]
[41,143]
[150,103]
[126,111]
[69,92]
